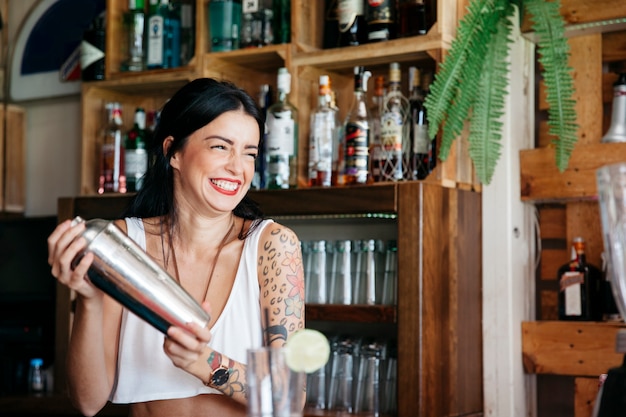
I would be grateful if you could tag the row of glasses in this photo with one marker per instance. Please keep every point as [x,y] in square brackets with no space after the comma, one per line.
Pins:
[360,378]
[350,271]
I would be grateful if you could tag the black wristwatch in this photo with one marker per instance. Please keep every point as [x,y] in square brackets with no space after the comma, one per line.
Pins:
[220,374]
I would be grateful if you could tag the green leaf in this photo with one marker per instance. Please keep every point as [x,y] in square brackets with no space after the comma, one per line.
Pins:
[485,126]
[554,51]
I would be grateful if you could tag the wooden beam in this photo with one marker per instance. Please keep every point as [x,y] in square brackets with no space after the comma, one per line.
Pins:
[570,348]
[541,181]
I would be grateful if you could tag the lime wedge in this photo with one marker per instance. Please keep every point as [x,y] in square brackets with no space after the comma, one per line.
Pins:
[307,350]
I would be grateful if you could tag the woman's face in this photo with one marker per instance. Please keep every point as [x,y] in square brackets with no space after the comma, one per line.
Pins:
[216,166]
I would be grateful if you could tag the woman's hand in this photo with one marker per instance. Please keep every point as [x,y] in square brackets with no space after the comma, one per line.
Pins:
[64,244]
[185,346]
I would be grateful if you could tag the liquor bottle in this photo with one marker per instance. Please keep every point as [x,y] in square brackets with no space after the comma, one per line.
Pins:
[376,161]
[322,136]
[134,27]
[415,17]
[224,24]
[256,24]
[171,35]
[422,146]
[164,32]
[394,129]
[352,25]
[381,20]
[264,101]
[187,13]
[580,294]
[282,21]
[331,25]
[282,137]
[338,167]
[356,132]
[112,174]
[136,155]
[92,49]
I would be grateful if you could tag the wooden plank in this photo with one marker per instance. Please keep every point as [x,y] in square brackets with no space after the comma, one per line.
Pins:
[614,46]
[570,348]
[15,160]
[585,393]
[541,181]
[584,11]
[583,219]
[551,261]
[549,305]
[552,221]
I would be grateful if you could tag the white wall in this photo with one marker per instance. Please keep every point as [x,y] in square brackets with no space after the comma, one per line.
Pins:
[52,137]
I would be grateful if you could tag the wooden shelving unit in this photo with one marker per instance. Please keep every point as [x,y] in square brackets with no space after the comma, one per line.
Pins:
[567,201]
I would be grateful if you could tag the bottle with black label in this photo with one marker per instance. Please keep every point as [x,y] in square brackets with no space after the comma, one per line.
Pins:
[92,50]
[381,20]
[352,25]
[356,133]
[580,292]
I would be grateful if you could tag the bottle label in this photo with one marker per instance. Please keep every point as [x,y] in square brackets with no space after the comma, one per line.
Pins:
[391,132]
[347,12]
[280,134]
[250,6]
[155,41]
[356,151]
[89,54]
[421,142]
[570,283]
[379,11]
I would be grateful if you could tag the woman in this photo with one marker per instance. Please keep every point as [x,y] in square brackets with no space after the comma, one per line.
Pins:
[193,217]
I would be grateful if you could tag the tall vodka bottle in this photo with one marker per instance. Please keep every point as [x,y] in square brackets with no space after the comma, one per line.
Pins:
[321,139]
[394,129]
[356,132]
[376,161]
[112,176]
[282,138]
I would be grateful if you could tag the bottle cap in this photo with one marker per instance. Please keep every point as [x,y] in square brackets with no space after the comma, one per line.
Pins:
[36,362]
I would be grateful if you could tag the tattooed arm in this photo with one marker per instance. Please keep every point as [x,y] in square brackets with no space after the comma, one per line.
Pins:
[281,279]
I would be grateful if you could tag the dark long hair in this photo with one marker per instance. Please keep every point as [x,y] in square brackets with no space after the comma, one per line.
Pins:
[192,107]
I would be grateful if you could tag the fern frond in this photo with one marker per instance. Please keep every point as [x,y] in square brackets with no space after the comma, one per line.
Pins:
[553,49]
[446,81]
[468,87]
[485,126]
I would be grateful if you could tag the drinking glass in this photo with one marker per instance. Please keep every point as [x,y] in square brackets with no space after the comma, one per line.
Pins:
[611,181]
[317,274]
[341,277]
[274,390]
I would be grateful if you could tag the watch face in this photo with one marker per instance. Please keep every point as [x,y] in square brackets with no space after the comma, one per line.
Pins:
[220,377]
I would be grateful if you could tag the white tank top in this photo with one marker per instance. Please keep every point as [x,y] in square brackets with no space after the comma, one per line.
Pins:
[145,373]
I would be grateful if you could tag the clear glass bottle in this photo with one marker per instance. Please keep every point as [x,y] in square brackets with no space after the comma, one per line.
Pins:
[352,25]
[36,377]
[580,282]
[422,146]
[323,126]
[112,176]
[617,130]
[186,9]
[376,161]
[257,22]
[282,137]
[381,20]
[394,128]
[224,23]
[264,100]
[356,132]
[134,26]
[136,155]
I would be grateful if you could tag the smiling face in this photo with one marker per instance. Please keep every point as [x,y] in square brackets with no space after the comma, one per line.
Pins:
[215,167]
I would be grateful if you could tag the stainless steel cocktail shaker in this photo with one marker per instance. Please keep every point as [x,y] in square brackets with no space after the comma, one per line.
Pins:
[125,271]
